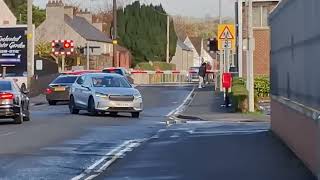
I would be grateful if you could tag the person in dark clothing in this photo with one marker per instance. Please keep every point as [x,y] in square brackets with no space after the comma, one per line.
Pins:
[202,74]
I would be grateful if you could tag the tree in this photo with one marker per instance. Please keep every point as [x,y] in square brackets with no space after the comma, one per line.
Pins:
[142,29]
[19,9]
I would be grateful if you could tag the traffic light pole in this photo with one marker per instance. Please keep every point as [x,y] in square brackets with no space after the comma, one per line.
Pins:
[88,56]
[30,46]
[114,38]
[63,63]
[221,64]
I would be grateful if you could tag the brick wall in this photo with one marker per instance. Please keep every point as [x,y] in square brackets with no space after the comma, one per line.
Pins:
[261,56]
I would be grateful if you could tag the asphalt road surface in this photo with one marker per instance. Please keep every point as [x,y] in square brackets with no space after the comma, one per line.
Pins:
[208,151]
[58,145]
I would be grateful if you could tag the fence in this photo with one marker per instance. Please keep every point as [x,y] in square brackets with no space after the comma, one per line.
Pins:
[165,77]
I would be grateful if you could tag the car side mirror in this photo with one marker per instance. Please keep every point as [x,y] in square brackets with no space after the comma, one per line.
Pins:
[86,87]
[134,86]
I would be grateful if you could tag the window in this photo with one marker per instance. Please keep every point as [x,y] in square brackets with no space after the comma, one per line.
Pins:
[109,81]
[5,86]
[65,80]
[80,80]
[264,17]
[256,15]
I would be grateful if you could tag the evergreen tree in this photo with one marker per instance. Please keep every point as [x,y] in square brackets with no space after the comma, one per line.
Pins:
[142,29]
[19,9]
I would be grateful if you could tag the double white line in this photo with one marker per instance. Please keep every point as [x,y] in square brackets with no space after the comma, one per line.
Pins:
[93,171]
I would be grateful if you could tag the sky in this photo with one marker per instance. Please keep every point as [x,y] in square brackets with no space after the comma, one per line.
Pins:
[192,8]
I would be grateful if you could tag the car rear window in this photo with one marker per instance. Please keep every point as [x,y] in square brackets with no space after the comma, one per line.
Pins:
[65,79]
[117,71]
[5,86]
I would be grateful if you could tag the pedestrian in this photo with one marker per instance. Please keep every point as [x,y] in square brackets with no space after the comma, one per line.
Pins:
[202,74]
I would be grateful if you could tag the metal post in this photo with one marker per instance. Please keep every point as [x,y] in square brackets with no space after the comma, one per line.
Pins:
[30,45]
[221,64]
[250,55]
[4,72]
[115,36]
[240,38]
[88,56]
[168,39]
[62,63]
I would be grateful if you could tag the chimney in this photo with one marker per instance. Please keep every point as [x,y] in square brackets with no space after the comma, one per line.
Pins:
[55,10]
[69,10]
[85,14]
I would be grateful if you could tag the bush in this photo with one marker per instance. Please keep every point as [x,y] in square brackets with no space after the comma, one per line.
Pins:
[163,66]
[239,97]
[145,66]
[238,81]
[262,87]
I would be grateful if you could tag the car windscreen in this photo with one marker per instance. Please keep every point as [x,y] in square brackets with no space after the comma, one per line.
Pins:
[65,80]
[5,86]
[110,81]
[117,71]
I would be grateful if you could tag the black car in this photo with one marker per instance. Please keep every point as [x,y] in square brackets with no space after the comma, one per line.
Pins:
[58,89]
[14,102]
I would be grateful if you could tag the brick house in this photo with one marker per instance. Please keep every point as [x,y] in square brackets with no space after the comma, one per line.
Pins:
[6,16]
[261,33]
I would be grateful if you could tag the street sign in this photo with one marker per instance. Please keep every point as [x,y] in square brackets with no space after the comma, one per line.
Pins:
[226,36]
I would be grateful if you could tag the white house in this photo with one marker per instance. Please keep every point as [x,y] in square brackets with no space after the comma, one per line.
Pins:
[183,58]
[200,52]
[6,16]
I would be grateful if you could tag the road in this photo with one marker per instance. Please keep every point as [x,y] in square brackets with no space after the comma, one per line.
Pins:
[58,145]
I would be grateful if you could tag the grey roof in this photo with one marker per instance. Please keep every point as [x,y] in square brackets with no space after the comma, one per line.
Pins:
[85,29]
[183,46]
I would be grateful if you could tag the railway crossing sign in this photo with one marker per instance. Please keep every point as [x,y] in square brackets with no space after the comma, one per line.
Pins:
[226,36]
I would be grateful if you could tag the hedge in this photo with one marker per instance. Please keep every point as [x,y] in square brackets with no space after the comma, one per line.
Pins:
[239,95]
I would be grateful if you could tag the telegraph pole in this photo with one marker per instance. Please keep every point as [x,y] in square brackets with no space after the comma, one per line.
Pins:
[115,36]
[221,64]
[30,45]
[240,38]
[168,39]
[250,59]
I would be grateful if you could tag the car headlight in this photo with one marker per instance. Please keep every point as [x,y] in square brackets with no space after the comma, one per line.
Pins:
[101,95]
[137,96]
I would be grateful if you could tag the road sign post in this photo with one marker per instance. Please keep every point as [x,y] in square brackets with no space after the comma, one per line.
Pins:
[226,42]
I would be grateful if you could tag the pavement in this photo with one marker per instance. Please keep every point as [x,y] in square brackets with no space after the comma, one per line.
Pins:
[215,144]
[58,145]
[206,106]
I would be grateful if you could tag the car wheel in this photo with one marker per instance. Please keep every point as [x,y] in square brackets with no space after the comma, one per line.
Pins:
[91,107]
[19,118]
[113,114]
[72,106]
[135,114]
[52,103]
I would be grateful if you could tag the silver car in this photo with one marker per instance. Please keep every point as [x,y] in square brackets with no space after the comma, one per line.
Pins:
[104,92]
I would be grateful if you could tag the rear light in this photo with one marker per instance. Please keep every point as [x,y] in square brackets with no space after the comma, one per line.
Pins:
[48,91]
[6,96]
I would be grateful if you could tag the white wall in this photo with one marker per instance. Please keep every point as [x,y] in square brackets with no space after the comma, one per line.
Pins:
[196,56]
[6,16]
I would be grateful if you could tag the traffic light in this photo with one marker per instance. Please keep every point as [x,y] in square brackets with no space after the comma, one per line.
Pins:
[212,45]
[62,47]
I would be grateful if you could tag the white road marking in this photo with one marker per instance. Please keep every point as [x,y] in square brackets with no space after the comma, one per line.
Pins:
[182,106]
[116,153]
[90,168]
[7,134]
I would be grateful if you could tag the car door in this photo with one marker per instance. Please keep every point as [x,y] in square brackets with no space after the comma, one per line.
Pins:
[86,91]
[76,91]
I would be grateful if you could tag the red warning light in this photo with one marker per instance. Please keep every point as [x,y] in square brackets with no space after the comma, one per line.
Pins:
[67,45]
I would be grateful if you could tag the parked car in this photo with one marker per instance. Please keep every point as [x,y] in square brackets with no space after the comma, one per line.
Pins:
[120,70]
[193,75]
[58,89]
[104,92]
[14,102]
